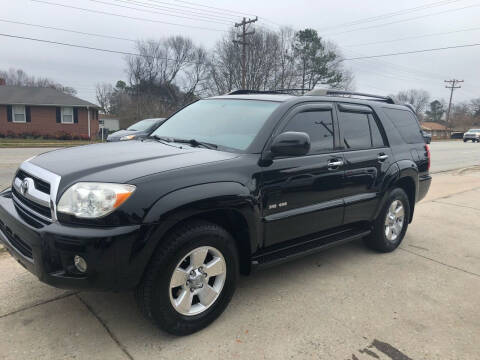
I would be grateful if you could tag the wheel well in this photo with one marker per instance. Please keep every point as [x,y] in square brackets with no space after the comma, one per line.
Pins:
[236,225]
[408,185]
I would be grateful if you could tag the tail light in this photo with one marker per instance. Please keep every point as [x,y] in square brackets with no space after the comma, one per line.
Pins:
[427,150]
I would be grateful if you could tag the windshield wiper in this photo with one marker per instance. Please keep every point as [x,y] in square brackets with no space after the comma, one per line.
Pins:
[195,143]
[162,139]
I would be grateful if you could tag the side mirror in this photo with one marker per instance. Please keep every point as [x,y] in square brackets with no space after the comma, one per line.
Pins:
[291,143]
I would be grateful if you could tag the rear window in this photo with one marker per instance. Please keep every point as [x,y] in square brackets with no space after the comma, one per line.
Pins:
[406,124]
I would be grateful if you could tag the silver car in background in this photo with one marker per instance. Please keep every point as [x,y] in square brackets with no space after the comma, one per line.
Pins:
[472,134]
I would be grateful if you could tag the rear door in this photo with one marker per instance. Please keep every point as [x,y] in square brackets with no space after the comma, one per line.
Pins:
[367,159]
[302,195]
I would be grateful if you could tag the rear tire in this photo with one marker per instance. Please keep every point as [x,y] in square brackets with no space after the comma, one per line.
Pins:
[161,293]
[391,225]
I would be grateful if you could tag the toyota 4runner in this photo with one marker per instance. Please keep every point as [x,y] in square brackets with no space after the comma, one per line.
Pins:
[226,185]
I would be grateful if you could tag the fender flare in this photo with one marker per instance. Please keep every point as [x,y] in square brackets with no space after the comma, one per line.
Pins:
[398,171]
[195,200]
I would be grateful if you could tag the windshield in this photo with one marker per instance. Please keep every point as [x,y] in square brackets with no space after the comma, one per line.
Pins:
[474,130]
[142,125]
[224,122]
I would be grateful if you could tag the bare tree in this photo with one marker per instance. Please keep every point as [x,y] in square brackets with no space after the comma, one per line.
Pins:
[278,60]
[418,98]
[104,94]
[18,77]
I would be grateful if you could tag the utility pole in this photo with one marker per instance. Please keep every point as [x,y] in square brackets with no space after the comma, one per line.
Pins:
[243,42]
[452,86]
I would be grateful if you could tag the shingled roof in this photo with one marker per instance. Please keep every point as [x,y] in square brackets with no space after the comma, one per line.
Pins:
[21,95]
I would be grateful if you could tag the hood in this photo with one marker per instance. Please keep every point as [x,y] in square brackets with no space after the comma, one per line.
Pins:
[123,161]
[120,133]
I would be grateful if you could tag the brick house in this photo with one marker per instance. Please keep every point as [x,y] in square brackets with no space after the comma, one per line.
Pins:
[438,131]
[45,111]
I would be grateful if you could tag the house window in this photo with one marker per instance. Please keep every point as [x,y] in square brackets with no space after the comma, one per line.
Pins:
[67,115]
[18,114]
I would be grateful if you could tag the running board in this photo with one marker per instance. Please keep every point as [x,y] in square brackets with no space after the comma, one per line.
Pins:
[279,255]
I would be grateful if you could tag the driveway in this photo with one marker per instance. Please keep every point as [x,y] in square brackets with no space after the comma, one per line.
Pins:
[419,302]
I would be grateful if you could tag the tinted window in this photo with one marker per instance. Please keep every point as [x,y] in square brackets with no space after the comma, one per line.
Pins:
[356,130]
[406,124]
[377,139]
[225,122]
[318,125]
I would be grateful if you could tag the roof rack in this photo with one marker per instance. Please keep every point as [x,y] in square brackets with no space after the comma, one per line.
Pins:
[276,91]
[327,92]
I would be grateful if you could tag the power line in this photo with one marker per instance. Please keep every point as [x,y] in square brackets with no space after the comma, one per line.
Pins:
[413,37]
[182,10]
[411,52]
[190,8]
[403,20]
[213,7]
[160,13]
[193,62]
[88,47]
[227,11]
[392,14]
[125,16]
[67,30]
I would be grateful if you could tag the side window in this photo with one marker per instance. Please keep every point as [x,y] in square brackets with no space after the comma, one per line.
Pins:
[318,125]
[377,139]
[356,130]
[406,124]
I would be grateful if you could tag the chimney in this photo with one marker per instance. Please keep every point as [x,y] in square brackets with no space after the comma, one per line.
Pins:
[2,81]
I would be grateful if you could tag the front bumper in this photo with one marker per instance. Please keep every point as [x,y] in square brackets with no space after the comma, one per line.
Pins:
[47,250]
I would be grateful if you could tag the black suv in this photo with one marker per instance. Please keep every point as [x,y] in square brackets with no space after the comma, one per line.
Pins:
[226,185]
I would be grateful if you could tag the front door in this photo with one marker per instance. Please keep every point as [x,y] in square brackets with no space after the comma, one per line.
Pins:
[367,159]
[303,195]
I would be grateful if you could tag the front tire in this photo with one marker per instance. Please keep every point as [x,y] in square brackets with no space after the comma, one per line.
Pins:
[191,278]
[391,225]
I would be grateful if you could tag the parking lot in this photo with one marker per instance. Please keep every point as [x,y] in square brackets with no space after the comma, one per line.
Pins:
[419,302]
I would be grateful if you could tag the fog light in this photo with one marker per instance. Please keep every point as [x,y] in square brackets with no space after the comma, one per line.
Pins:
[80,263]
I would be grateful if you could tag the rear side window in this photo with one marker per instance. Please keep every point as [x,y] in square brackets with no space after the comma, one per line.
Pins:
[318,125]
[356,130]
[360,131]
[406,124]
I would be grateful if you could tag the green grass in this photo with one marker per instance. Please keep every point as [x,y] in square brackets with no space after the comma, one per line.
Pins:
[26,143]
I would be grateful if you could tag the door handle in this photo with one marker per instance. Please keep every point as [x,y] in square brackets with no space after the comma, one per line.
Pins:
[382,157]
[333,164]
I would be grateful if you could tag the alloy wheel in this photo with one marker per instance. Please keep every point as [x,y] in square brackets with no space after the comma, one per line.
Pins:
[394,220]
[197,280]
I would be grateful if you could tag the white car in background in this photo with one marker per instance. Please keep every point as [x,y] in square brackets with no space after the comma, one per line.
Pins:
[472,134]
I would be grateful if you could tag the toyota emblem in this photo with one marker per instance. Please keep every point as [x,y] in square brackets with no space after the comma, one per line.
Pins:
[24,186]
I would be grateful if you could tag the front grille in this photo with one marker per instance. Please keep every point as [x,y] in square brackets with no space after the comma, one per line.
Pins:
[29,204]
[33,190]
[40,185]
[21,246]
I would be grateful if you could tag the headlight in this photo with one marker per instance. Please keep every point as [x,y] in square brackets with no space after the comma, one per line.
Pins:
[127,137]
[93,200]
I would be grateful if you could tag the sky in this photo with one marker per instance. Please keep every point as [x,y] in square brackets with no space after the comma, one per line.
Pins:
[359,28]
